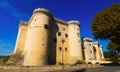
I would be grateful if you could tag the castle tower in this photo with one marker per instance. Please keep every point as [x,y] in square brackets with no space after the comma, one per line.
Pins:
[101,51]
[98,53]
[21,38]
[37,38]
[74,42]
[89,51]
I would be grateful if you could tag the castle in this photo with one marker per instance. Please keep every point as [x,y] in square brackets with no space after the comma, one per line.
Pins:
[45,40]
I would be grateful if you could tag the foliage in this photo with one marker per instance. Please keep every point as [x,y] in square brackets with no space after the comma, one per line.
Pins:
[112,55]
[107,54]
[15,59]
[4,59]
[61,63]
[106,24]
[114,46]
[79,62]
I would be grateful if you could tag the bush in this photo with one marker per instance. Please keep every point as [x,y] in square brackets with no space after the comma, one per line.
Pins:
[115,60]
[79,62]
[61,63]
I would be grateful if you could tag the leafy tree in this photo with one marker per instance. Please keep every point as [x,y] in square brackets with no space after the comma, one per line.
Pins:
[106,25]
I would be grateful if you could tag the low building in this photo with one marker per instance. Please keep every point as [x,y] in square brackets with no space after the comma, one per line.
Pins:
[92,51]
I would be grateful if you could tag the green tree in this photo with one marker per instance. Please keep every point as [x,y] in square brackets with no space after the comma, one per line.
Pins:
[106,25]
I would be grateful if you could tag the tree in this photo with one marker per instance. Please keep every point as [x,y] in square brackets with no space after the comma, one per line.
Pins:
[106,25]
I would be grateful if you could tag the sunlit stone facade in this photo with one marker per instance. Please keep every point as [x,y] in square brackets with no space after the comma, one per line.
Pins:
[45,40]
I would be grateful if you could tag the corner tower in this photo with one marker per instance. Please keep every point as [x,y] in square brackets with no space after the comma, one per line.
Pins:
[37,38]
[21,38]
[74,41]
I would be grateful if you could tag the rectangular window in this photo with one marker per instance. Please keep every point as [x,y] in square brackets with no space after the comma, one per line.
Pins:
[65,49]
[60,48]
[66,35]
[46,26]
[59,34]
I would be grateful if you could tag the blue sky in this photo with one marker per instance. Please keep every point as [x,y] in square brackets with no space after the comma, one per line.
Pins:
[13,11]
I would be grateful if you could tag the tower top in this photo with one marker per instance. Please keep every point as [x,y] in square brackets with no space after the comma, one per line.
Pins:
[88,39]
[60,20]
[23,23]
[73,22]
[42,10]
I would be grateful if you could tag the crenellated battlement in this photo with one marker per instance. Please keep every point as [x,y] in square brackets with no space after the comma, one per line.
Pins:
[42,10]
[95,43]
[88,39]
[60,20]
[23,23]
[73,22]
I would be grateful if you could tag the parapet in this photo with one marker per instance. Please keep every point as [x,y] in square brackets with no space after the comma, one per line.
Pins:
[88,39]
[42,10]
[23,23]
[60,20]
[74,22]
[96,43]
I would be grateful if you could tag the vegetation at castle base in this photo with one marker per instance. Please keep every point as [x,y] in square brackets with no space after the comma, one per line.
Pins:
[3,59]
[112,56]
[106,25]
[79,62]
[15,59]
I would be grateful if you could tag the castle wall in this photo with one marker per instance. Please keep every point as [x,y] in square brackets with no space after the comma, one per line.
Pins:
[21,38]
[37,40]
[62,47]
[74,43]
[98,57]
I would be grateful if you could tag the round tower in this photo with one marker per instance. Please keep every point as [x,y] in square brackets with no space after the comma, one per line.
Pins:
[37,38]
[74,41]
[21,38]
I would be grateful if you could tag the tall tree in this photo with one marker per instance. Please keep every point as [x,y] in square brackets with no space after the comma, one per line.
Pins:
[106,25]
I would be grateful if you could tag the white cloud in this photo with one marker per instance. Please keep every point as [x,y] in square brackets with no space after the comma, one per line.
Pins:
[11,9]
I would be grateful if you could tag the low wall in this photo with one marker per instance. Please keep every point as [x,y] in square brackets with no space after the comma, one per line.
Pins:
[49,67]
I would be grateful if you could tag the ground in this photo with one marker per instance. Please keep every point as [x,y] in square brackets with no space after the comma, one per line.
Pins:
[99,69]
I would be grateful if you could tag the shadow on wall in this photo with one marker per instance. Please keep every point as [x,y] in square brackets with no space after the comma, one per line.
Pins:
[53,29]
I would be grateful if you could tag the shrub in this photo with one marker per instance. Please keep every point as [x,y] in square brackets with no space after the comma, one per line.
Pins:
[61,63]
[79,62]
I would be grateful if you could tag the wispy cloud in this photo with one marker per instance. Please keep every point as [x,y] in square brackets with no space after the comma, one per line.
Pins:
[11,9]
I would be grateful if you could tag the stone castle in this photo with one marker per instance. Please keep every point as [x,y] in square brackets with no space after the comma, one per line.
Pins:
[45,40]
